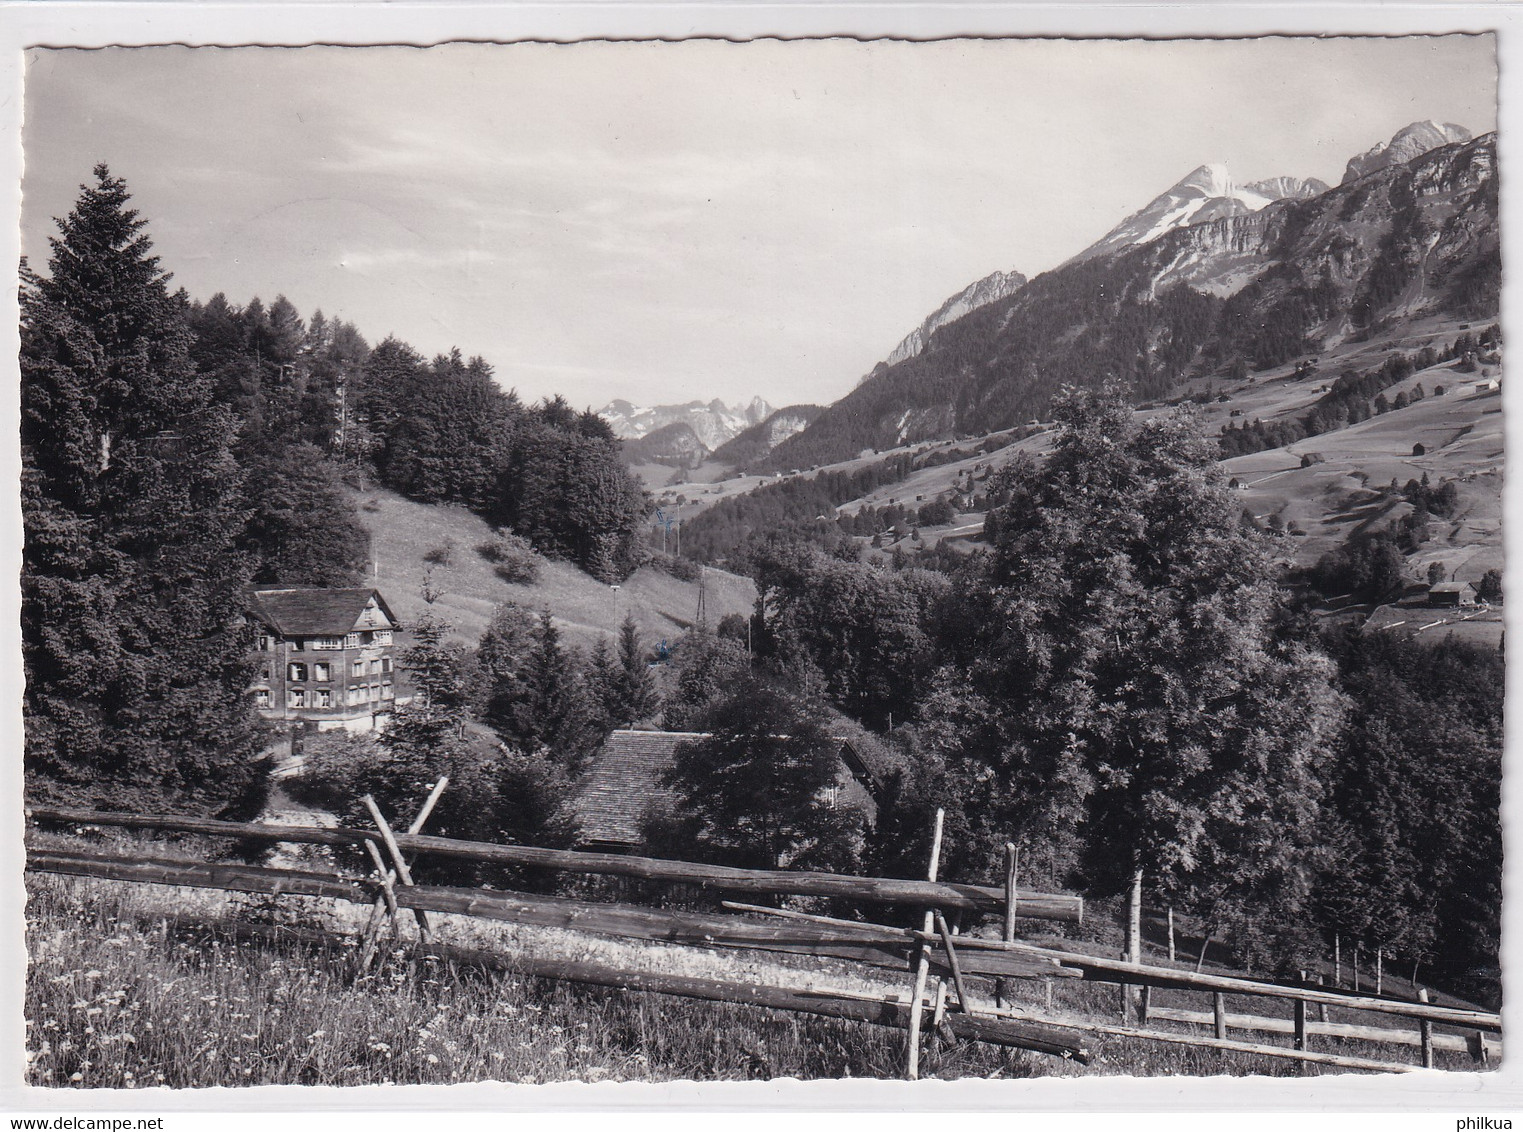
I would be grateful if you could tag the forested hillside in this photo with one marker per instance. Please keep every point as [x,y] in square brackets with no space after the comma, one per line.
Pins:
[175,450]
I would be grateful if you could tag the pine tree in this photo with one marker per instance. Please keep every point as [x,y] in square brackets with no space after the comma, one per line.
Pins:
[637,687]
[136,659]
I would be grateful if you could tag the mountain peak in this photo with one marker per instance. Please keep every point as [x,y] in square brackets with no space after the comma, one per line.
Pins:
[1205,193]
[1211,179]
[1407,144]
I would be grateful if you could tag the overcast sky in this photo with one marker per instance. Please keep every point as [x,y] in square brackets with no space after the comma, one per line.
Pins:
[664,222]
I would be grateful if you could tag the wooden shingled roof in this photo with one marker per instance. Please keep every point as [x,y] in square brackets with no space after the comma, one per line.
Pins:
[312,611]
[625,779]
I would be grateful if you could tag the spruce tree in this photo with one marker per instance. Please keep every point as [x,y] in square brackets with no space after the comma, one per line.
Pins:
[638,697]
[136,658]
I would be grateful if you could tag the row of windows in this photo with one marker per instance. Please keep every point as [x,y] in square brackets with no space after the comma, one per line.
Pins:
[323,697]
[267,641]
[322,671]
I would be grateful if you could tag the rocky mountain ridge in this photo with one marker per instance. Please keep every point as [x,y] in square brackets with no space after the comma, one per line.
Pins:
[1254,288]
[1407,143]
[990,289]
[1205,194]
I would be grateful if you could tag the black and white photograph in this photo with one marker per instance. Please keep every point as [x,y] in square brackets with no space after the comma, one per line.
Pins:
[716,561]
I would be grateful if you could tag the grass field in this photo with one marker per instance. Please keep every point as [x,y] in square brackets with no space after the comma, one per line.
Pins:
[403,532]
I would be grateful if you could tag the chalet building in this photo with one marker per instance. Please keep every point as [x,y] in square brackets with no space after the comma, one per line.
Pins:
[325,656]
[624,783]
[1452,593]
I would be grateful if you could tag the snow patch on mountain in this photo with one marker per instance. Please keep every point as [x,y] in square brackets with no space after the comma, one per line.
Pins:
[1205,194]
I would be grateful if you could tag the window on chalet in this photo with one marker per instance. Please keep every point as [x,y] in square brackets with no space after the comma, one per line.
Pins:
[355,696]
[327,642]
[375,667]
[296,697]
[386,664]
[357,668]
[261,697]
[266,671]
[383,636]
[352,641]
[322,671]
[266,642]
[296,672]
[323,698]
[375,692]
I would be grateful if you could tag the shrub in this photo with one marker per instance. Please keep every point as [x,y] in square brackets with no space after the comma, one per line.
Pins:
[683,569]
[517,562]
[441,555]
[1490,588]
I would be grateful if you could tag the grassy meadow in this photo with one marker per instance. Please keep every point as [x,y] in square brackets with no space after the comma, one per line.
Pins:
[130,988]
[404,533]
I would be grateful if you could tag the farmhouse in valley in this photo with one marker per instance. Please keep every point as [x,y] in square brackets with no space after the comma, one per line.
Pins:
[325,656]
[1451,593]
[624,782]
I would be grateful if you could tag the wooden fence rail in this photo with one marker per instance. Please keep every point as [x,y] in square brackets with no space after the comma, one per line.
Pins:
[1061,907]
[780,931]
[873,944]
[1384,1035]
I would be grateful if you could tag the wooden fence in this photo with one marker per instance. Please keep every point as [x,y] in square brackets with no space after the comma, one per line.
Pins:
[933,950]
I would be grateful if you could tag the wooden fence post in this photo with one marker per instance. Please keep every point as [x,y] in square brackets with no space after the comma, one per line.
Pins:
[1379,969]
[1171,935]
[404,874]
[1321,1006]
[1337,960]
[387,899]
[1300,1042]
[963,1002]
[1427,1032]
[1356,968]
[1219,1010]
[1011,900]
[922,967]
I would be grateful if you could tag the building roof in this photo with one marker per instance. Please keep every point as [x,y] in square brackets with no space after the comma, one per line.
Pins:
[312,611]
[1449,587]
[625,779]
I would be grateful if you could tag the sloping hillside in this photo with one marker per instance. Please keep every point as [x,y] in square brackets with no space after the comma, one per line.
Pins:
[403,532]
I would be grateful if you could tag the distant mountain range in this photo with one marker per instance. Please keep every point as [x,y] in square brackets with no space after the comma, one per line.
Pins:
[711,422]
[677,445]
[1206,276]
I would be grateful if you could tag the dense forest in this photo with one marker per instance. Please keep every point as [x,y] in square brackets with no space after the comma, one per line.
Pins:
[175,450]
